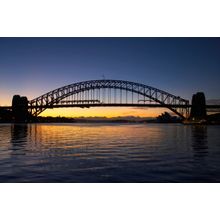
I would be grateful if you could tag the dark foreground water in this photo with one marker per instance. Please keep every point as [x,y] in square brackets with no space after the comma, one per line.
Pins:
[109,153]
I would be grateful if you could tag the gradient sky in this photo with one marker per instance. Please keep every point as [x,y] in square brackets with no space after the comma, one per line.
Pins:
[181,66]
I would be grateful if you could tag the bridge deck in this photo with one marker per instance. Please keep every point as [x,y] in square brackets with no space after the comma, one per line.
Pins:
[83,105]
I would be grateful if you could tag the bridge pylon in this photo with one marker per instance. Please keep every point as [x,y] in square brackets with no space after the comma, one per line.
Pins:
[198,109]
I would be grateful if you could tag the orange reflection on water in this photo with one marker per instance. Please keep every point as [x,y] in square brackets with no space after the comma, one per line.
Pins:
[93,137]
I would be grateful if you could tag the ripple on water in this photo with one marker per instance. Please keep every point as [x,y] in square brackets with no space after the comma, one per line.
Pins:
[109,153]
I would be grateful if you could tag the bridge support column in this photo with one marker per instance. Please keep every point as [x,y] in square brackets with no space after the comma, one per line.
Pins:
[198,109]
[20,109]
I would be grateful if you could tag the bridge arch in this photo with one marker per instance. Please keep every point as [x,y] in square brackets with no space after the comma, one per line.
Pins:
[49,100]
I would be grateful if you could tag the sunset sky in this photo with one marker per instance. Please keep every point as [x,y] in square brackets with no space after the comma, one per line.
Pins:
[180,66]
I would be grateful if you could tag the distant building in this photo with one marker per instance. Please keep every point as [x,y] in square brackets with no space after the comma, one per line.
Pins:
[167,118]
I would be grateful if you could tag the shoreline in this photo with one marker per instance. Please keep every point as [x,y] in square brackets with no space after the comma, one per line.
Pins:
[107,122]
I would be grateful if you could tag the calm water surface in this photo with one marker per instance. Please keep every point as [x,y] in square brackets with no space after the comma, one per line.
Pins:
[109,153]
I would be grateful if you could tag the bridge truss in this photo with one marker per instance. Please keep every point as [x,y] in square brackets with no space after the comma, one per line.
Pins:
[109,93]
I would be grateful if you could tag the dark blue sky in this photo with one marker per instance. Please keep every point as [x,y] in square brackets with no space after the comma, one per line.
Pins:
[182,66]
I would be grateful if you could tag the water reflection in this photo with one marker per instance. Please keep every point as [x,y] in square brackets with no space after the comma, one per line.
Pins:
[19,133]
[109,153]
[199,141]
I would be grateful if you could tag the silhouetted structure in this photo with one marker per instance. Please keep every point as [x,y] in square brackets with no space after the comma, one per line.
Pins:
[20,108]
[112,93]
[214,118]
[167,118]
[5,115]
[109,93]
[198,109]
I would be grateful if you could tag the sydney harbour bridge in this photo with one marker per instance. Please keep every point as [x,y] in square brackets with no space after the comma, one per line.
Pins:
[107,93]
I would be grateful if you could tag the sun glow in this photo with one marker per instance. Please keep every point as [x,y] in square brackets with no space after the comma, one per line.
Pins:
[103,112]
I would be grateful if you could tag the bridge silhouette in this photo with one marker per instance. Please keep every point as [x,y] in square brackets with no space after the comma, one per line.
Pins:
[105,93]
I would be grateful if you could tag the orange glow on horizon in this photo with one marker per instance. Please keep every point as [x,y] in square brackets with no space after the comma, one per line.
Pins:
[103,112]
[97,111]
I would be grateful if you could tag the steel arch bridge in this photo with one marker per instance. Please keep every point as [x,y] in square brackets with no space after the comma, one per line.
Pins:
[102,93]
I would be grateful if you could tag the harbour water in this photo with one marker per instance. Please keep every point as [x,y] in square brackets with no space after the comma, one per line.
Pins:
[109,153]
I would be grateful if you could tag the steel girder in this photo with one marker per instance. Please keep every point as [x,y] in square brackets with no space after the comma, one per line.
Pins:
[165,99]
